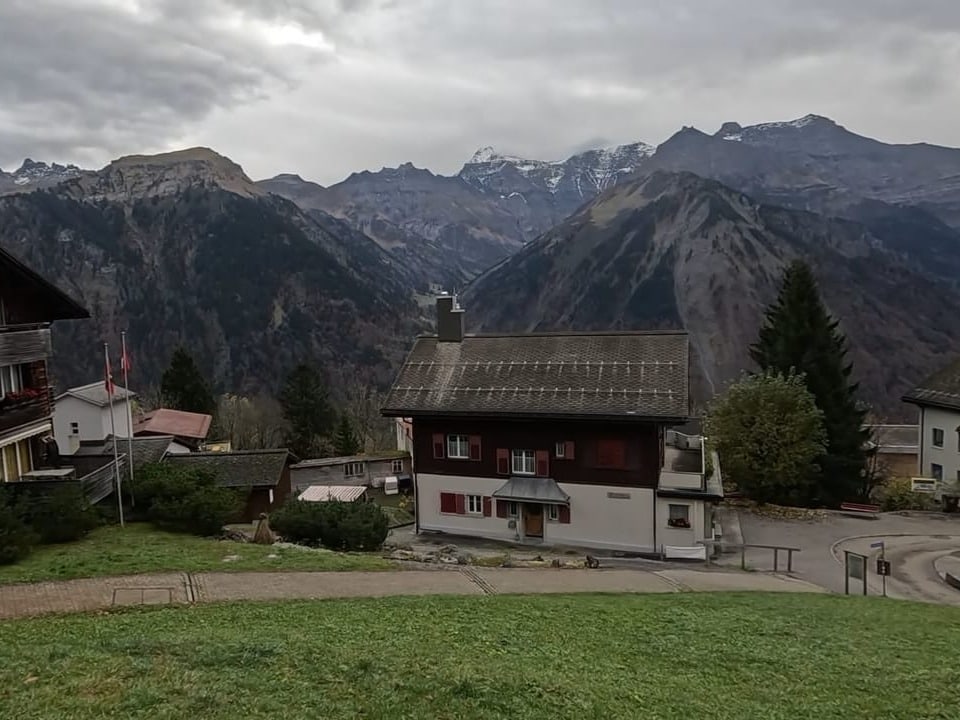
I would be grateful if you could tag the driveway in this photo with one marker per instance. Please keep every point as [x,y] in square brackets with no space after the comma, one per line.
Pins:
[913,542]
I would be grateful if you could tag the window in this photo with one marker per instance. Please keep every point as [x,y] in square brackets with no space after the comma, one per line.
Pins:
[561,450]
[523,462]
[474,504]
[611,454]
[679,516]
[11,379]
[397,467]
[936,471]
[354,469]
[74,428]
[513,509]
[553,513]
[937,437]
[458,447]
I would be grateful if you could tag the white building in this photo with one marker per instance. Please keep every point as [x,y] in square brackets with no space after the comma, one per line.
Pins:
[82,414]
[938,399]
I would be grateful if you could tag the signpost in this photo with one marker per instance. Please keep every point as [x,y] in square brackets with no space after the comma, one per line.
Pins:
[883,565]
[855,566]
[923,485]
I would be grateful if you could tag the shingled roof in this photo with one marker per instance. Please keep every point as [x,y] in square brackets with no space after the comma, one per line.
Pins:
[639,375]
[244,468]
[942,389]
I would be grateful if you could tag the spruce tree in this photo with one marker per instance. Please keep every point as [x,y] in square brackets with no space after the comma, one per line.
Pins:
[306,410]
[800,336]
[183,387]
[345,442]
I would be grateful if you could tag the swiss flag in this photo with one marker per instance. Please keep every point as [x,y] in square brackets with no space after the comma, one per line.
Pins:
[108,376]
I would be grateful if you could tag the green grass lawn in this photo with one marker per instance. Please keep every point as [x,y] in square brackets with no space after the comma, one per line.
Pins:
[139,548]
[711,655]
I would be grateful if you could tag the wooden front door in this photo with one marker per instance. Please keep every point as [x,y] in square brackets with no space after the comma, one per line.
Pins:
[533,520]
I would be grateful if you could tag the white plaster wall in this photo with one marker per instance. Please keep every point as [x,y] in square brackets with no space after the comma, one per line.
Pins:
[699,510]
[949,455]
[69,410]
[596,519]
[119,417]
[680,480]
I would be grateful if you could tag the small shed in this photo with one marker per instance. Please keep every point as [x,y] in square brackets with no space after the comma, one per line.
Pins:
[334,493]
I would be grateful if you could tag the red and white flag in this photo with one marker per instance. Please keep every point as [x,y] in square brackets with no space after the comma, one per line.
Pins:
[125,360]
[107,372]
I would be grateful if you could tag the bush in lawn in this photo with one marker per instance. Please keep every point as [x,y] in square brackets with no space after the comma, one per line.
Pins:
[895,494]
[16,536]
[60,515]
[335,525]
[185,499]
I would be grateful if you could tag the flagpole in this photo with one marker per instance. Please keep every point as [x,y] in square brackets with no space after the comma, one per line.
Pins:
[125,361]
[108,385]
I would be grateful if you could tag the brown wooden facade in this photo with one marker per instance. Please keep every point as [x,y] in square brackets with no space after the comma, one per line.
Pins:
[593,453]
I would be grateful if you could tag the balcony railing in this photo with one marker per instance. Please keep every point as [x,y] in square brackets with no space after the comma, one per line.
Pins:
[21,344]
[18,409]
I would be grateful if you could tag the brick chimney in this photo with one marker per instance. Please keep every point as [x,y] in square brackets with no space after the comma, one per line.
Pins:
[449,319]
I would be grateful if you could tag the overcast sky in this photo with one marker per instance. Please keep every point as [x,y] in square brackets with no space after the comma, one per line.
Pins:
[326,87]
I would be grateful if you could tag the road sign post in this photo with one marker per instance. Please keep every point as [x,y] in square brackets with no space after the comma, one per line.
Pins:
[883,565]
[854,566]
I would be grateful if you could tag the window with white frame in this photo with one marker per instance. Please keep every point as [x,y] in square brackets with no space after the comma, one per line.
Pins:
[475,504]
[353,469]
[397,467]
[560,451]
[513,509]
[458,447]
[553,513]
[679,516]
[938,437]
[11,379]
[523,462]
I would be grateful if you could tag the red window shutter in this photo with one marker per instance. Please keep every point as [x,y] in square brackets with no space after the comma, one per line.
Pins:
[568,450]
[438,446]
[503,508]
[461,504]
[448,503]
[543,463]
[475,447]
[503,461]
[487,507]
[564,514]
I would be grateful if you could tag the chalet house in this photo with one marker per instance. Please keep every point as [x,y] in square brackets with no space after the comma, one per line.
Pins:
[938,399]
[555,438]
[368,470]
[82,415]
[895,449]
[263,475]
[28,305]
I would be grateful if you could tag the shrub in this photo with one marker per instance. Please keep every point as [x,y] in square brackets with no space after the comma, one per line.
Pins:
[895,494]
[61,515]
[335,525]
[185,499]
[16,536]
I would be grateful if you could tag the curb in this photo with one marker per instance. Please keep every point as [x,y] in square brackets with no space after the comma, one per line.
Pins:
[833,546]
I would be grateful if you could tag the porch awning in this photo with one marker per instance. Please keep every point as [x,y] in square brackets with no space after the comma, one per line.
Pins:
[532,489]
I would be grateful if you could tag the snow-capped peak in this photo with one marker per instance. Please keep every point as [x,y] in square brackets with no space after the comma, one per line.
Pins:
[484,155]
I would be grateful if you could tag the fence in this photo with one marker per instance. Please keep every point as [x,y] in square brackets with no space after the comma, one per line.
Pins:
[743,553]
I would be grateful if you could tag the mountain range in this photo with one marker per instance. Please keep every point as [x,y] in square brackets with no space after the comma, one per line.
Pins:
[184,247]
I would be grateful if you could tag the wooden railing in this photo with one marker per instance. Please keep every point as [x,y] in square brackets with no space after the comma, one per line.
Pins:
[21,344]
[777,549]
[17,413]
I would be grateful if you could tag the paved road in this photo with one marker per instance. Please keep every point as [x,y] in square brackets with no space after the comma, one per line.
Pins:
[180,588]
[912,557]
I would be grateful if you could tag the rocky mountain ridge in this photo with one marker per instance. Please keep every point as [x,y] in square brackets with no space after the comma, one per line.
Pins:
[674,250]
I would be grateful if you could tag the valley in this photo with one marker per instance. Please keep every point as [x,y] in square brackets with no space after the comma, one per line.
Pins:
[693,233]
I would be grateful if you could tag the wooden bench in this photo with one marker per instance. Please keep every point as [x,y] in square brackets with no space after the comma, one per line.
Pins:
[861,510]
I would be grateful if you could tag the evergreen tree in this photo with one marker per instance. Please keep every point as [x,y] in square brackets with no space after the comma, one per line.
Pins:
[799,336]
[183,387]
[306,410]
[345,442]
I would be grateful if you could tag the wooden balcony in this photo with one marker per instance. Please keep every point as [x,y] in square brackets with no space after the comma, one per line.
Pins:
[21,344]
[13,414]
